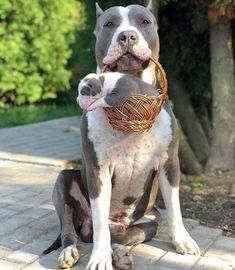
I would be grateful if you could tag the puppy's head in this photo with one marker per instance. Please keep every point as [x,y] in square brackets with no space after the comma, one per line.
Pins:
[126,37]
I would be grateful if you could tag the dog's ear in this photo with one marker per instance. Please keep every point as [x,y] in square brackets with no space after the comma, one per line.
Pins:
[150,5]
[99,11]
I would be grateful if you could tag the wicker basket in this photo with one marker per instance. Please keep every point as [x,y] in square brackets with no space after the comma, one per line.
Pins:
[138,112]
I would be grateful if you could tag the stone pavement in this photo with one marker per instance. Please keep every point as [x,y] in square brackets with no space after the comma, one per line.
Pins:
[30,158]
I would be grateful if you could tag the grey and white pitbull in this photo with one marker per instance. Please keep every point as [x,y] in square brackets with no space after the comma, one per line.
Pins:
[110,201]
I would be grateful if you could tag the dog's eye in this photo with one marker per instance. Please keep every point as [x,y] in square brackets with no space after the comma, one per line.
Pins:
[145,22]
[109,24]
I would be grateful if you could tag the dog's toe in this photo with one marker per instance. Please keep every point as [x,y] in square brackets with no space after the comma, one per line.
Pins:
[122,258]
[68,257]
[186,245]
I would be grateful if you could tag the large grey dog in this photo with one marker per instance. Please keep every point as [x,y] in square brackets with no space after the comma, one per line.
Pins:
[111,200]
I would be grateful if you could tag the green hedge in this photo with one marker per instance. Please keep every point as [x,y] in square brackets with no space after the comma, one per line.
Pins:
[35,39]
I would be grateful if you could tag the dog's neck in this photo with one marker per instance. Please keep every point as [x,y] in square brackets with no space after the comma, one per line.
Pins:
[147,75]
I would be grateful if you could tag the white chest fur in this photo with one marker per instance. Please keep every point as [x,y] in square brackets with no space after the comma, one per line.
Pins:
[129,156]
[110,143]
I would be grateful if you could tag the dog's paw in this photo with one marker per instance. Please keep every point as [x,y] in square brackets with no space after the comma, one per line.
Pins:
[184,244]
[122,258]
[100,260]
[68,257]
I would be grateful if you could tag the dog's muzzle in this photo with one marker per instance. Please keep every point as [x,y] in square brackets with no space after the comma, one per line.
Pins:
[129,52]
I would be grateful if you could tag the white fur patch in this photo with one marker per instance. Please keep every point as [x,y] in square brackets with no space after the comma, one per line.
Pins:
[180,237]
[111,79]
[101,253]
[100,213]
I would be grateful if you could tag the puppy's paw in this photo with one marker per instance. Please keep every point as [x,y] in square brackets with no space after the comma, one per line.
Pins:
[122,258]
[185,244]
[68,257]
[100,260]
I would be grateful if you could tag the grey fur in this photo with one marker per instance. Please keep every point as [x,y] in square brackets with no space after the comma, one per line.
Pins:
[126,86]
[90,163]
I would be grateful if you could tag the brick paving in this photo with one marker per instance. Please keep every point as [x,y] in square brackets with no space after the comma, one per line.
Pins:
[31,156]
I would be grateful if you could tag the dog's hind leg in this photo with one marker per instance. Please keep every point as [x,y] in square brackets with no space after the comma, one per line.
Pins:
[73,210]
[142,230]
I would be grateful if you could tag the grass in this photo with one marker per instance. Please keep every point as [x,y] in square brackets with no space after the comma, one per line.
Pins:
[14,116]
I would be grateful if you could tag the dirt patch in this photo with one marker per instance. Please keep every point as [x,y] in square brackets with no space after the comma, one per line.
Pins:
[210,198]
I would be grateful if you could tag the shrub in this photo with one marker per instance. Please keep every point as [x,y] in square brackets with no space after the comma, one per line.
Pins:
[35,47]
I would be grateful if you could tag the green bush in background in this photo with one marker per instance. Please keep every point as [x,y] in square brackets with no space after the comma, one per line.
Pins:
[35,47]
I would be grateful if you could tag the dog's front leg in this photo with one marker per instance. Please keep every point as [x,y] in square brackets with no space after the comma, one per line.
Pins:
[101,257]
[169,178]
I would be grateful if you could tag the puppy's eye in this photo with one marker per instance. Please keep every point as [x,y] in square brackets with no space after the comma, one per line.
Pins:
[145,22]
[109,24]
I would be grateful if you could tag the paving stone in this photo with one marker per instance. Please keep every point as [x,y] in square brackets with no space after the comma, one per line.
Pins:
[141,263]
[18,207]
[6,213]
[47,223]
[66,129]
[9,265]
[21,236]
[190,223]
[11,244]
[223,248]
[52,234]
[4,251]
[176,261]
[204,236]
[21,219]
[36,213]
[45,262]
[153,267]
[149,250]
[21,195]
[165,245]
[21,257]
[206,263]
[163,234]
[37,246]
[12,223]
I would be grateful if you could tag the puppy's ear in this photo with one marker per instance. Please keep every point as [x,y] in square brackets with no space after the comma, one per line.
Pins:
[99,11]
[150,5]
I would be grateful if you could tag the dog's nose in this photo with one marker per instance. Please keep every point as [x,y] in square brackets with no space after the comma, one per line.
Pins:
[128,38]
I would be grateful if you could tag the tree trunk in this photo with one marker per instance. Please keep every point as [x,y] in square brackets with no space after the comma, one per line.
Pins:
[188,119]
[203,117]
[188,162]
[223,86]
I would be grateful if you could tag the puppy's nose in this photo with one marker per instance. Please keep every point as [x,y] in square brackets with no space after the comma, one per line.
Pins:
[85,91]
[128,38]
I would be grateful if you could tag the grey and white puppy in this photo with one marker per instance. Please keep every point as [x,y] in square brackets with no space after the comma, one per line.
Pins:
[110,89]
[111,200]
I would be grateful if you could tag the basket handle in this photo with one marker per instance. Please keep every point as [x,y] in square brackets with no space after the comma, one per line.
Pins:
[163,75]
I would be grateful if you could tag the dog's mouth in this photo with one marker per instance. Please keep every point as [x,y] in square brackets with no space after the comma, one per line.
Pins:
[128,62]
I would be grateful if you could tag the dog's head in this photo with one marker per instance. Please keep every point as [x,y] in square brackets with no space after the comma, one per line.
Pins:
[126,37]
